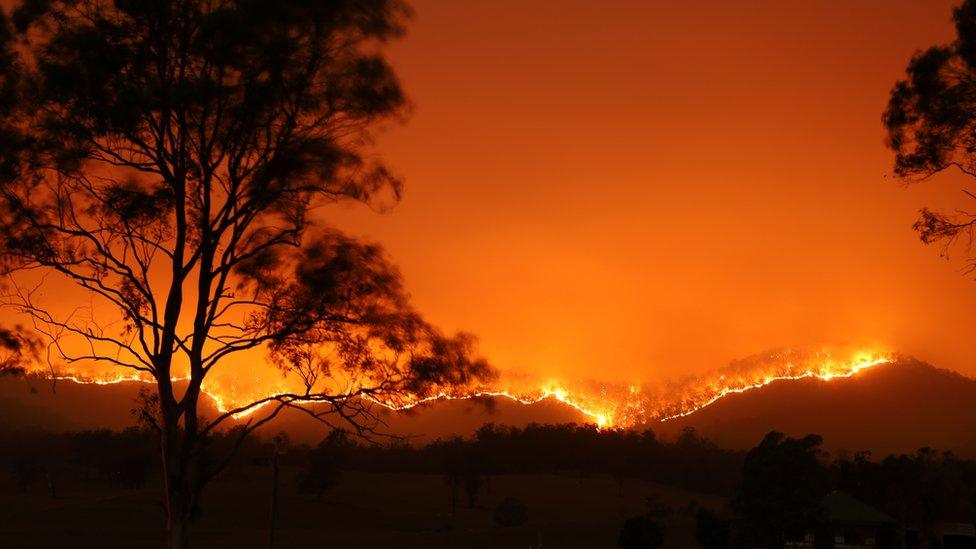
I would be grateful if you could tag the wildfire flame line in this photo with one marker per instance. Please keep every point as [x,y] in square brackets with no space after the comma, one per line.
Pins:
[558,394]
[854,369]
[628,407]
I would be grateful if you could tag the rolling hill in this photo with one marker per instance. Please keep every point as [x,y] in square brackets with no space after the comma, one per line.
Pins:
[897,407]
[893,408]
[36,403]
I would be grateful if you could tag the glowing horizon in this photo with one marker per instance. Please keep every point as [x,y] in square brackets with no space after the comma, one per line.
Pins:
[611,406]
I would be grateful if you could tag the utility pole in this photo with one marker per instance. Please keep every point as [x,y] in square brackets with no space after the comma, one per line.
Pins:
[274,492]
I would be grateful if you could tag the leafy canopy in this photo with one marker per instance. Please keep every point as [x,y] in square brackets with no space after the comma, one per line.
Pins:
[931,122]
[172,158]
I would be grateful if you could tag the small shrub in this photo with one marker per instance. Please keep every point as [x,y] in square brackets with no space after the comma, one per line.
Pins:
[712,531]
[641,532]
[511,512]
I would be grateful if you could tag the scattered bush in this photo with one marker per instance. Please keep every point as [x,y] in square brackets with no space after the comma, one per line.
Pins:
[711,530]
[641,532]
[511,512]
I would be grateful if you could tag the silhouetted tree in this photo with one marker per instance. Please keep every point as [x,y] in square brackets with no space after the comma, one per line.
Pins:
[462,471]
[641,532]
[621,464]
[474,471]
[280,444]
[931,123]
[783,483]
[324,465]
[170,158]
[473,482]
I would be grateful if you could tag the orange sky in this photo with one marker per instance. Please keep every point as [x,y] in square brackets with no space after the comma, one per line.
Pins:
[637,190]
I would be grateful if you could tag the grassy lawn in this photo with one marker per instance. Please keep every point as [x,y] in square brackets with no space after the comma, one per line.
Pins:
[364,510]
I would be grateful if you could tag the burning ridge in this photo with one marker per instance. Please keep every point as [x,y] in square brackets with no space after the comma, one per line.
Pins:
[609,405]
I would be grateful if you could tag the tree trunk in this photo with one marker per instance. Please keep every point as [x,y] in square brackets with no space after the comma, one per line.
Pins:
[178,514]
[454,496]
[177,535]
[52,485]
[179,479]
[272,519]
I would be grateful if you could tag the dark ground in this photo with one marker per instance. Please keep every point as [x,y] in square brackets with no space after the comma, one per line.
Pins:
[364,510]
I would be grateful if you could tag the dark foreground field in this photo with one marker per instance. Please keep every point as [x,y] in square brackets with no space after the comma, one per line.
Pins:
[364,510]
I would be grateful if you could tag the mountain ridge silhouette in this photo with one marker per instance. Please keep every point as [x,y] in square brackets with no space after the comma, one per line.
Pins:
[892,408]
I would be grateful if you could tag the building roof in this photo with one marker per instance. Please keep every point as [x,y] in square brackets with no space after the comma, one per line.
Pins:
[842,508]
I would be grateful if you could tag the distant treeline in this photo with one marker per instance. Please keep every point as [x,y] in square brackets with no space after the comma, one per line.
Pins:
[920,489]
[125,458]
[780,475]
[690,461]
[130,457]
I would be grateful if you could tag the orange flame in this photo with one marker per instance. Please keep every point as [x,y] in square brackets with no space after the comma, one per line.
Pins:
[608,406]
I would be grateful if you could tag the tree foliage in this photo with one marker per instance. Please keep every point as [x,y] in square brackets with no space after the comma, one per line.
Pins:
[170,157]
[324,465]
[921,489]
[931,124]
[783,483]
[18,349]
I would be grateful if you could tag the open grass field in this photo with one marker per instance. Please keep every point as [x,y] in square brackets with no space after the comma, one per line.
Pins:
[364,510]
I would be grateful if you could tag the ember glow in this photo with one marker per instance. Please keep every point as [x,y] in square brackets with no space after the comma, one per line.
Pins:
[609,405]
